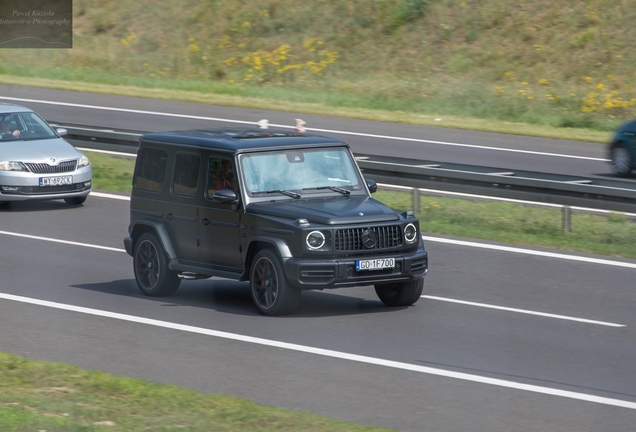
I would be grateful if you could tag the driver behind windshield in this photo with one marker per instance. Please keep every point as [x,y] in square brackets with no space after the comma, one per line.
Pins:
[5,129]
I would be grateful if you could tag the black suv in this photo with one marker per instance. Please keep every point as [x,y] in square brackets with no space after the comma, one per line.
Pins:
[285,211]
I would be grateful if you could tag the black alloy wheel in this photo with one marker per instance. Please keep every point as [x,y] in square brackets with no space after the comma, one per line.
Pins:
[270,290]
[150,264]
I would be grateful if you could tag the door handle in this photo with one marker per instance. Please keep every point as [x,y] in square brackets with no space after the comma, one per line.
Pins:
[205,221]
[170,216]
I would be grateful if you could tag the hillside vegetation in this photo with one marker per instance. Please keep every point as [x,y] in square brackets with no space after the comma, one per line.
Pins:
[558,63]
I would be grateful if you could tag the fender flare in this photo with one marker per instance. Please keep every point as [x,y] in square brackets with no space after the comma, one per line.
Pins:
[281,246]
[162,234]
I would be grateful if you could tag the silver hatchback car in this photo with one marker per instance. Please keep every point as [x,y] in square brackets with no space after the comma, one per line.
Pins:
[36,163]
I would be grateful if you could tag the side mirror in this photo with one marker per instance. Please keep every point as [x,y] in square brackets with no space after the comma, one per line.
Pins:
[61,131]
[372,185]
[224,196]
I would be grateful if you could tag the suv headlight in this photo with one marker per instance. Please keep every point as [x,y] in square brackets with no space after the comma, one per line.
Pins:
[12,166]
[83,161]
[315,240]
[410,233]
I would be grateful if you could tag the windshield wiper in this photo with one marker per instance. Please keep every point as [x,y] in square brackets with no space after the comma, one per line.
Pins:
[284,192]
[333,188]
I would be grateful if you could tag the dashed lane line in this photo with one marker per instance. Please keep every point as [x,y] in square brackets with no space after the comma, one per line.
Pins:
[523,311]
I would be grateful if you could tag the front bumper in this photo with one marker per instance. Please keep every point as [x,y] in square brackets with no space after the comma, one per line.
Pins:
[22,186]
[341,272]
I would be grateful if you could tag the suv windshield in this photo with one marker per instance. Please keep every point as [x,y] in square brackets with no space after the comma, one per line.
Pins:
[27,124]
[286,170]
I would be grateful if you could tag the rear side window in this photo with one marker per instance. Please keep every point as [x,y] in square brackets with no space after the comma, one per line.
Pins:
[151,168]
[186,174]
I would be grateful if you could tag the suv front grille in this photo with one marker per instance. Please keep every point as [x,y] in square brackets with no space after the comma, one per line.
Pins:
[351,239]
[44,168]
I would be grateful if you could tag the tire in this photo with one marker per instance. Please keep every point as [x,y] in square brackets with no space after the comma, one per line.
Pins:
[622,162]
[150,264]
[75,200]
[400,294]
[269,287]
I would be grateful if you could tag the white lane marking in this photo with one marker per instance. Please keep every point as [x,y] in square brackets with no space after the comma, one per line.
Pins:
[531,252]
[109,152]
[157,113]
[524,311]
[327,353]
[61,241]
[110,196]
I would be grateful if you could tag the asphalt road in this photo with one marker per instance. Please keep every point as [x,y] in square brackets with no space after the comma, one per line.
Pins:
[503,340]
[386,367]
[508,152]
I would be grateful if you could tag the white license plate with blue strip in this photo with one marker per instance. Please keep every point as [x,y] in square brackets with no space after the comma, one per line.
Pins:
[375,264]
[56,181]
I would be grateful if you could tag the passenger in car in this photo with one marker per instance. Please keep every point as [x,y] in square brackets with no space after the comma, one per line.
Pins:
[5,129]
[224,176]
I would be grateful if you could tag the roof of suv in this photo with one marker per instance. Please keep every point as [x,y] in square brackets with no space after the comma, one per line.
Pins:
[238,139]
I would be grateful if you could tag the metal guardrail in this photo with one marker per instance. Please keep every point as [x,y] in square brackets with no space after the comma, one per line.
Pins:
[615,195]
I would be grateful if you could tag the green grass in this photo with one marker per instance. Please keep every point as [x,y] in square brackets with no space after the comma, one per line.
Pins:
[112,173]
[38,396]
[282,100]
[613,235]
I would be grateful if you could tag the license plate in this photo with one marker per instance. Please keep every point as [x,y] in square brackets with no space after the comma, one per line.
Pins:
[375,264]
[56,181]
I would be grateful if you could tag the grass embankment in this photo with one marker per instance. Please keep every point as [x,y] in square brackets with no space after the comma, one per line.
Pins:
[613,235]
[553,64]
[37,396]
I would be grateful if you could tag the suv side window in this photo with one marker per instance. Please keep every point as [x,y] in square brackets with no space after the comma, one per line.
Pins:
[186,174]
[151,168]
[220,175]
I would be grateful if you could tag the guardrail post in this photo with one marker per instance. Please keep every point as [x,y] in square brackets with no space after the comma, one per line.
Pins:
[416,201]
[567,218]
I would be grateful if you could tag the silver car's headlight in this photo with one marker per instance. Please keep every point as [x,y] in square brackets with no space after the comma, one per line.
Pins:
[410,233]
[12,166]
[315,240]
[83,161]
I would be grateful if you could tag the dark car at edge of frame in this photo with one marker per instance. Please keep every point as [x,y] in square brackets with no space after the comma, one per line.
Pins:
[622,149]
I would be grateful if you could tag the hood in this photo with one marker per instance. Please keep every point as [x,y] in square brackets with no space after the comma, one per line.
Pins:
[37,150]
[328,211]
